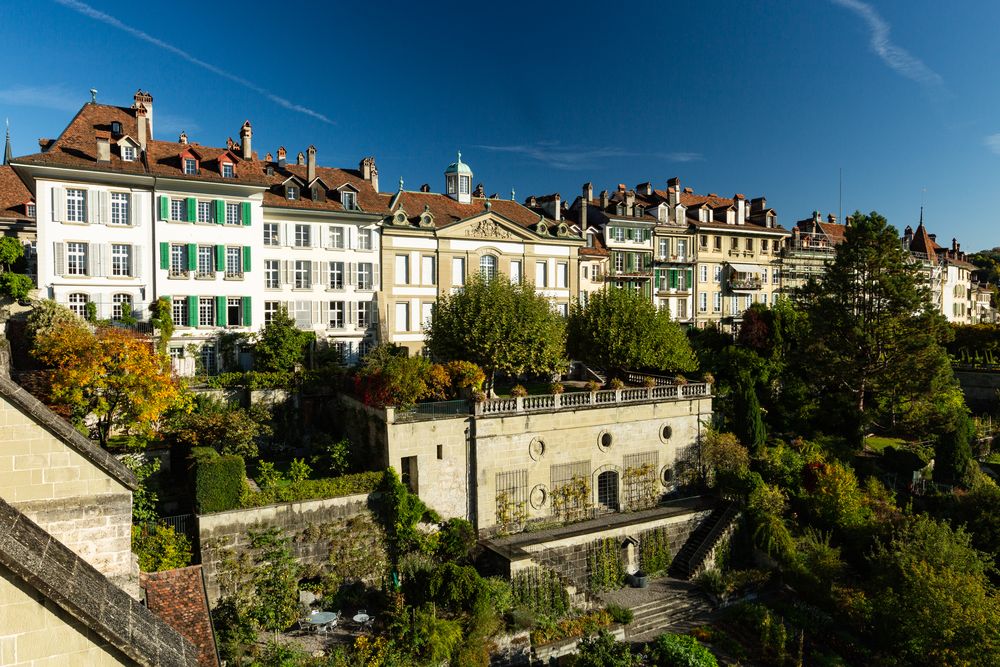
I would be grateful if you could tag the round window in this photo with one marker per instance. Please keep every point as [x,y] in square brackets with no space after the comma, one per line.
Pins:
[536,449]
[605,440]
[665,432]
[666,476]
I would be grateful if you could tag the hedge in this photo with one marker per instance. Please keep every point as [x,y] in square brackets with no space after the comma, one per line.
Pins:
[314,489]
[252,380]
[219,481]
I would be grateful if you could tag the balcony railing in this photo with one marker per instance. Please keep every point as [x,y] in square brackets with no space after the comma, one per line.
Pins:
[585,399]
[630,273]
[663,290]
[744,283]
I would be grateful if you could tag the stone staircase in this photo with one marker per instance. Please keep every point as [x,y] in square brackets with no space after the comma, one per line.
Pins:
[699,545]
[676,610]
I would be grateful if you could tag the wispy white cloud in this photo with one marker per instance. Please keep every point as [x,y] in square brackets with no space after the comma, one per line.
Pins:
[168,123]
[55,97]
[992,142]
[894,56]
[554,155]
[98,15]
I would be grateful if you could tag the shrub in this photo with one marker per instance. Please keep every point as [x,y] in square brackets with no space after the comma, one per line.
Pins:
[518,391]
[620,614]
[649,382]
[299,471]
[593,385]
[267,476]
[616,383]
[540,591]
[312,489]
[15,285]
[680,650]
[556,388]
[465,375]
[604,565]
[711,581]
[577,626]
[252,380]
[654,551]
[219,481]
[456,539]
[159,547]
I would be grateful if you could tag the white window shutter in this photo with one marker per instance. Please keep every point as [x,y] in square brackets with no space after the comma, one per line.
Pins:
[316,315]
[315,273]
[324,314]
[134,202]
[93,258]
[104,207]
[286,271]
[59,256]
[351,310]
[314,234]
[351,277]
[136,261]
[286,239]
[93,206]
[375,276]
[58,204]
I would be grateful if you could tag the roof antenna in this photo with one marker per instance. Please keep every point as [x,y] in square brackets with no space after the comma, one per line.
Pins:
[840,195]
[6,150]
[93,95]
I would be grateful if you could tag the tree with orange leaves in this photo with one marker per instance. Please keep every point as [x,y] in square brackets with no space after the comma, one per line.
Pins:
[110,375]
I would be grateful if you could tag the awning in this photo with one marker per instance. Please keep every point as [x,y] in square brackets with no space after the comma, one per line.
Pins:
[746,268]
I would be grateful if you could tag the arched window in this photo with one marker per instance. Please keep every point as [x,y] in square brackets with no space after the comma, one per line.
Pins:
[607,489]
[121,306]
[488,266]
[78,303]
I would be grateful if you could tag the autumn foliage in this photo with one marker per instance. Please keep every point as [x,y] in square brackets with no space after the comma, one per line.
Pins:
[111,378]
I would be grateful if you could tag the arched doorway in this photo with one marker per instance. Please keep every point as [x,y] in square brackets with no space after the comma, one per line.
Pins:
[607,489]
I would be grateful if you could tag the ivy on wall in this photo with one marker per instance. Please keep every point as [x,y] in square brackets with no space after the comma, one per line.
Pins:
[654,551]
[540,590]
[605,570]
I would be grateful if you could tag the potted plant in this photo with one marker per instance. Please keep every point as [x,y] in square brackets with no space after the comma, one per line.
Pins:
[681,380]
[557,388]
[593,385]
[708,378]
[518,391]
[616,383]
[649,382]
[479,396]
[640,580]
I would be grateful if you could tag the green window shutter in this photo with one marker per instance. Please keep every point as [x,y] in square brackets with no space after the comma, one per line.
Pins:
[247,312]
[246,258]
[690,280]
[628,234]
[673,279]
[192,311]
[164,207]
[192,257]
[220,311]
[192,209]
[220,212]
[245,213]
[164,255]
[220,258]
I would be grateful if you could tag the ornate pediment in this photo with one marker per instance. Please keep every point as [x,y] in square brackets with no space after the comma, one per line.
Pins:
[488,229]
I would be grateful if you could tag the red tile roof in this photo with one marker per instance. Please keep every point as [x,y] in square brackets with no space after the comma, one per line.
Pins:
[14,194]
[178,597]
[369,200]
[922,243]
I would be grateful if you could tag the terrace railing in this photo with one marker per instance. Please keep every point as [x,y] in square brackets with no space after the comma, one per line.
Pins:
[603,398]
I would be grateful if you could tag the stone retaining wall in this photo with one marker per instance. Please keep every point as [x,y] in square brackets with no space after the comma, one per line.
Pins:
[298,521]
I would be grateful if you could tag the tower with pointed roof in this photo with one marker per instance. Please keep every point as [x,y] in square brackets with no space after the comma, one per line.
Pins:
[458,181]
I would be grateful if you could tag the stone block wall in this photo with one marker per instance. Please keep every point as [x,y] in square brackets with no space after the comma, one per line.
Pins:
[302,522]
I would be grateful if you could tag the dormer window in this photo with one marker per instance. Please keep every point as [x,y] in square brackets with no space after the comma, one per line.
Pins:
[116,127]
[29,208]
[190,166]
[399,218]
[349,200]
[638,211]
[291,192]
[269,170]
[315,193]
[128,153]
[227,169]
[621,209]
[452,189]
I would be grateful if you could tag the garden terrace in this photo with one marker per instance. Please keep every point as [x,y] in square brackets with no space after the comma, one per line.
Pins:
[598,399]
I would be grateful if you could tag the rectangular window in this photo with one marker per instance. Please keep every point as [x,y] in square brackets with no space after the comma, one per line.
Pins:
[515,271]
[302,236]
[541,274]
[178,260]
[336,237]
[227,170]
[703,273]
[179,311]
[682,309]
[718,274]
[457,271]
[272,279]
[177,210]
[428,276]
[205,211]
[128,153]
[291,192]
[763,276]
[76,205]
[303,274]
[718,243]
[682,280]
[562,275]
[403,316]
[234,311]
[206,261]
[365,311]
[349,200]
[618,233]
[664,248]
[190,166]
[206,311]
[30,210]
[209,360]
[426,314]
[233,214]
[120,208]
[562,309]
[734,243]
[270,311]
[764,245]
[234,262]
[366,275]
[76,259]
[749,245]
[703,241]
[402,269]
[336,320]
[717,302]
[336,275]
[121,259]
[682,249]
[763,298]
[775,275]
[364,239]
[271,234]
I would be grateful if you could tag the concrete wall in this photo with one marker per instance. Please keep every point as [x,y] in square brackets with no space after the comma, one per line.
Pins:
[230,530]
[75,501]
[980,389]
[37,632]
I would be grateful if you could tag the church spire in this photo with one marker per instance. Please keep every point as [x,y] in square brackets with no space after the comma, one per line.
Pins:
[7,157]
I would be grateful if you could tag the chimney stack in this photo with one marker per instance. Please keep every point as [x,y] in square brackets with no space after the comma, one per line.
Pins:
[954,244]
[604,200]
[741,208]
[369,172]
[246,134]
[146,100]
[480,190]
[557,209]
[832,219]
[532,201]
[183,139]
[630,202]
[645,188]
[103,146]
[300,159]
[674,191]
[282,154]
[758,204]
[588,194]
[311,164]
[268,157]
[425,187]
[141,123]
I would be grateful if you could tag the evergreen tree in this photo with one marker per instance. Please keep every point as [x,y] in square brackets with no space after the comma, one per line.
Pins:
[749,422]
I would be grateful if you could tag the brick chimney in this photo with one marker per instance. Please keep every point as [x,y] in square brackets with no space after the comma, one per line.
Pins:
[146,100]
[300,159]
[246,134]
[142,125]
[674,191]
[832,219]
[425,187]
[268,157]
[645,189]
[604,200]
[103,146]
[369,172]
[282,154]
[630,202]
[310,164]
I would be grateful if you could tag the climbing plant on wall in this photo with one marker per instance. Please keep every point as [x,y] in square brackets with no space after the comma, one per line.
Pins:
[540,590]
[510,513]
[654,551]
[605,570]
[571,500]
[639,483]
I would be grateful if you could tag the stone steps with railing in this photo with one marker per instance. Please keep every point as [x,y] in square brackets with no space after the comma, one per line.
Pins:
[690,559]
[677,611]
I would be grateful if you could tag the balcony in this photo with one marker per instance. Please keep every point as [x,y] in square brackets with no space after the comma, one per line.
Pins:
[616,274]
[744,284]
[665,290]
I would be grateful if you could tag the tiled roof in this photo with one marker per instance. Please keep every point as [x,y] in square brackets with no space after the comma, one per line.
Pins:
[446,210]
[178,597]
[13,194]
[369,200]
[47,565]
[835,232]
[749,226]
[922,243]
[599,249]
[164,160]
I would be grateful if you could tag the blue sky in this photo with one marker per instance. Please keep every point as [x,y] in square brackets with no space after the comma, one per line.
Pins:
[769,97]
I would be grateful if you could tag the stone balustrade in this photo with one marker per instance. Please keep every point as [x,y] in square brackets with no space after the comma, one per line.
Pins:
[604,398]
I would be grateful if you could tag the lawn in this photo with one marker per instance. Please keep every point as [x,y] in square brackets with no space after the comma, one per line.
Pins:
[877,443]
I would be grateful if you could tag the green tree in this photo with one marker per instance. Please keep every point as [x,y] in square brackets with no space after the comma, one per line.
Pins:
[748,420]
[162,319]
[603,650]
[875,339]
[953,455]
[11,251]
[389,377]
[619,329]
[280,345]
[15,285]
[503,327]
[47,315]
[226,427]
[275,581]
